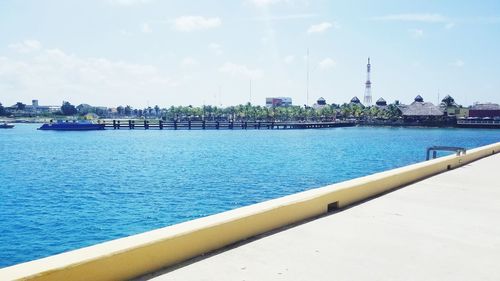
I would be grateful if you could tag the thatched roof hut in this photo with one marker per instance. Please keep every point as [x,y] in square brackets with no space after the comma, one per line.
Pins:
[321,101]
[355,100]
[381,102]
[420,108]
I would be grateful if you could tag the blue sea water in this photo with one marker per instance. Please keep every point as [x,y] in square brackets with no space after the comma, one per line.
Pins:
[65,190]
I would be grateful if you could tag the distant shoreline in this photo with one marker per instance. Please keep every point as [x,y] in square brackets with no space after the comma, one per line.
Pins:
[361,123]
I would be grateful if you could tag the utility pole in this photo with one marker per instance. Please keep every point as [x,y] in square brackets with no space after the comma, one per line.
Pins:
[307,79]
[220,94]
[250,99]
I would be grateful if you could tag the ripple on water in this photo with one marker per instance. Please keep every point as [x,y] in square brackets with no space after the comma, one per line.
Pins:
[64,190]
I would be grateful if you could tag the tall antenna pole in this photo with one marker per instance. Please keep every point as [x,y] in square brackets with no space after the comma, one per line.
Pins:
[368,85]
[307,79]
[220,94]
[250,99]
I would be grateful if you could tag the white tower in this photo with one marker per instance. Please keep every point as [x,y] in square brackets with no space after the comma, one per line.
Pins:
[368,85]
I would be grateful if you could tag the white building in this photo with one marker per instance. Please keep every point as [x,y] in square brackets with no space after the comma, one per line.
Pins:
[278,101]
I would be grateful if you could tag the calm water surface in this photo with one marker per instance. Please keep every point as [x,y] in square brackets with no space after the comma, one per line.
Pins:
[65,190]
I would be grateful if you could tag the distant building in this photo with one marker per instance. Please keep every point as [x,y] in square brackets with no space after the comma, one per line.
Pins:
[101,111]
[463,112]
[355,100]
[320,103]
[278,101]
[47,108]
[449,106]
[483,110]
[91,116]
[84,108]
[33,108]
[381,103]
[420,110]
[37,108]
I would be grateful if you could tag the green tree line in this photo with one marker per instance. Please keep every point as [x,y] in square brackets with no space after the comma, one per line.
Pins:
[242,112]
[249,112]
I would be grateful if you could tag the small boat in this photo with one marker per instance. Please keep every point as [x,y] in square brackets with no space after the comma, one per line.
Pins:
[6,126]
[71,126]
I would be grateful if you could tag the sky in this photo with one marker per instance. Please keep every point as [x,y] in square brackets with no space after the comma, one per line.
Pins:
[158,52]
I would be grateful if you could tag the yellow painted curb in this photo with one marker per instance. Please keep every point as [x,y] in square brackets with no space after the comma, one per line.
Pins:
[139,254]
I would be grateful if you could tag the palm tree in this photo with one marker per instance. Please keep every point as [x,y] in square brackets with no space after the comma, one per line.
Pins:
[128,110]
[346,110]
[120,109]
[393,111]
[448,101]
[373,112]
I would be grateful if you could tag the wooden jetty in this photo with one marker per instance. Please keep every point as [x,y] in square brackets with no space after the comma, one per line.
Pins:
[218,125]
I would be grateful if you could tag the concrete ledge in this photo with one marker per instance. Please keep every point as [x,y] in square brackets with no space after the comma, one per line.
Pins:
[142,253]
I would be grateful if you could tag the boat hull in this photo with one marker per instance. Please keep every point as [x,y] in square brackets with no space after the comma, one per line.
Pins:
[71,127]
[6,126]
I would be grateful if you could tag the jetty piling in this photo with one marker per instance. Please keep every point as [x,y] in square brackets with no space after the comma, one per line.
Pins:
[218,125]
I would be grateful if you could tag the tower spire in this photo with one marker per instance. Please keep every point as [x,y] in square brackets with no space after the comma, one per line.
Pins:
[368,85]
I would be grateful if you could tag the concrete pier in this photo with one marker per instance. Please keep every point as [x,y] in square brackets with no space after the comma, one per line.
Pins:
[445,227]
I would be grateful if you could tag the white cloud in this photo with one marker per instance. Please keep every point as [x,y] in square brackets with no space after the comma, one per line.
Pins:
[216,48]
[56,75]
[128,2]
[26,46]
[321,27]
[416,33]
[431,18]
[458,63]
[326,64]
[146,28]
[189,62]
[240,70]
[192,23]
[289,59]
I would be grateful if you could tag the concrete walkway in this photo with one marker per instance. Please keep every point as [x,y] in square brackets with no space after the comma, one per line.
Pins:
[446,227]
